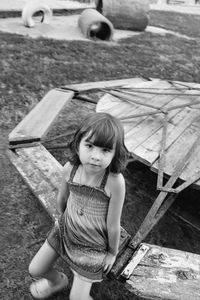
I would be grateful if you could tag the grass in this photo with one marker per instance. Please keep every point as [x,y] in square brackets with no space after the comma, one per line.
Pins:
[29,69]
[180,23]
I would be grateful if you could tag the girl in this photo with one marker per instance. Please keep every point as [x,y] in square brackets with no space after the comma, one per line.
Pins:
[90,201]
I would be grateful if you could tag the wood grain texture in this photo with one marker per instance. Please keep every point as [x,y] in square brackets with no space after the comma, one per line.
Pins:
[143,134]
[148,151]
[166,274]
[41,117]
[42,172]
[81,87]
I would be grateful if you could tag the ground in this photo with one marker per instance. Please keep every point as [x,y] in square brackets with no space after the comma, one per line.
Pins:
[30,69]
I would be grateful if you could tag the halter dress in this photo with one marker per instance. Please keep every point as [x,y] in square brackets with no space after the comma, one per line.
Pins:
[80,235]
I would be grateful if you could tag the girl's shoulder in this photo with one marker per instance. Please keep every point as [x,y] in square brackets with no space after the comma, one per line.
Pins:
[67,168]
[114,182]
[114,179]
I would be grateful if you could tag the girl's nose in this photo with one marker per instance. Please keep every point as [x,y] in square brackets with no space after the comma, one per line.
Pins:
[95,154]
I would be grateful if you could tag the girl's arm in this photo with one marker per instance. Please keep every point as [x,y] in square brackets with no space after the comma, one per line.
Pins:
[116,185]
[63,192]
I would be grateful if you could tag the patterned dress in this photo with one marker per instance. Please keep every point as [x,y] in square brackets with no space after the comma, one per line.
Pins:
[80,236]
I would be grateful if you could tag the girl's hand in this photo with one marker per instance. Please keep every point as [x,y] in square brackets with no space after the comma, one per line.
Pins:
[108,262]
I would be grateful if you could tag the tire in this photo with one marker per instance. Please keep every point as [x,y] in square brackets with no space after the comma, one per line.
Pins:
[33,7]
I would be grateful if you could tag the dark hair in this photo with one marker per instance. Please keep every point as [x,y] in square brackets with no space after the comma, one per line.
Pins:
[106,131]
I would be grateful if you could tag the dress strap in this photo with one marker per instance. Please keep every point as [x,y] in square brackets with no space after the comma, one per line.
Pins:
[73,172]
[104,180]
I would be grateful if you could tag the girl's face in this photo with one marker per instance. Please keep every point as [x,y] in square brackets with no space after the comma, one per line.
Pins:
[92,157]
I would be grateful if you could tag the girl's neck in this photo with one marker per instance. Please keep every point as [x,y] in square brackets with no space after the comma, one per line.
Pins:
[87,178]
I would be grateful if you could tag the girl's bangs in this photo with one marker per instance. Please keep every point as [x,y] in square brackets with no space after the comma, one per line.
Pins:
[102,136]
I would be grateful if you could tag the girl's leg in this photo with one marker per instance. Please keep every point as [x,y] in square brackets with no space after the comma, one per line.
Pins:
[80,289]
[42,264]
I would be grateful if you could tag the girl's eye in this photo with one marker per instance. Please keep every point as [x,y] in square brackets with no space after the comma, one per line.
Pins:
[106,150]
[88,145]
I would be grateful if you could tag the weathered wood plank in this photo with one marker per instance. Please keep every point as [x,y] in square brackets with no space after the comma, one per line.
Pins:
[119,108]
[109,103]
[135,126]
[182,84]
[148,151]
[81,87]
[133,108]
[146,146]
[113,104]
[181,146]
[148,127]
[153,121]
[42,172]
[166,274]
[41,117]
[192,168]
[125,107]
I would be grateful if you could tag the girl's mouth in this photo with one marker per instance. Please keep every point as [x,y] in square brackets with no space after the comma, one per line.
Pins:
[94,165]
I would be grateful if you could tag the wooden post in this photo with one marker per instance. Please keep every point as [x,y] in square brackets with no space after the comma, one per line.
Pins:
[156,212]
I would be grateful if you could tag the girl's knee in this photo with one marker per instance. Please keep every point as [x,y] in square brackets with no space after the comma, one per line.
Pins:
[34,270]
[43,260]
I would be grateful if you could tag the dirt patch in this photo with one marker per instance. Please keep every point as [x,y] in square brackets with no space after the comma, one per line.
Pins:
[66,28]
[60,27]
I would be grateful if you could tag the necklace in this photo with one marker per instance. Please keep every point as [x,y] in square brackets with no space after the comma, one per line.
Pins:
[80,210]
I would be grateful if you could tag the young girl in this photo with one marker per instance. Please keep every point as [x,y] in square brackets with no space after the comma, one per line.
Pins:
[90,201]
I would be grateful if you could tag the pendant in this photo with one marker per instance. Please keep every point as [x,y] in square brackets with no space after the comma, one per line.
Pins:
[80,211]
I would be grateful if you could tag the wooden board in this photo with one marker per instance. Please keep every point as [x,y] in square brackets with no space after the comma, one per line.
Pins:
[167,274]
[176,126]
[81,87]
[41,117]
[42,172]
[112,102]
[123,108]
[149,149]
[151,124]
[182,146]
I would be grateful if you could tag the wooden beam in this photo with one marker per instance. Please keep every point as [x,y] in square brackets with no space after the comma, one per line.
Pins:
[35,125]
[82,87]
[42,172]
[148,151]
[167,274]
[181,146]
[156,212]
